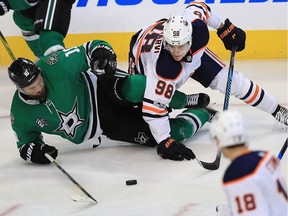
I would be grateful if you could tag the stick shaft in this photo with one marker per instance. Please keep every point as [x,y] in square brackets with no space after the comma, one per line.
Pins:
[229,79]
[7,47]
[69,177]
[283,149]
[216,163]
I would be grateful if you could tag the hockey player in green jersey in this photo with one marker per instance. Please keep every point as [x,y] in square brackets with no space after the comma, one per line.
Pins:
[43,23]
[61,95]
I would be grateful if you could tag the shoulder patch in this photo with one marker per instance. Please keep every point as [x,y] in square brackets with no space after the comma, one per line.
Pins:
[52,59]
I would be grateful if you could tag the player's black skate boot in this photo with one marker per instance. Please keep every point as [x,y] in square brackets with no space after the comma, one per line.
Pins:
[281,115]
[212,113]
[197,101]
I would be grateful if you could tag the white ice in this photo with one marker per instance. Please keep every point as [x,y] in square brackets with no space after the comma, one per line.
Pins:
[165,188]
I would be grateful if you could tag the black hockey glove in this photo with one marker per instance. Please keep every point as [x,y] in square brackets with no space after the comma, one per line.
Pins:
[170,149]
[232,36]
[35,152]
[4,7]
[104,58]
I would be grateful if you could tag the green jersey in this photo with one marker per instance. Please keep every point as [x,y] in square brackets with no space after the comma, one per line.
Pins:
[21,4]
[70,109]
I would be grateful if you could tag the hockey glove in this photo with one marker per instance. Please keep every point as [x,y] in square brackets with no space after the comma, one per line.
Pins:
[170,149]
[4,7]
[232,36]
[35,152]
[104,58]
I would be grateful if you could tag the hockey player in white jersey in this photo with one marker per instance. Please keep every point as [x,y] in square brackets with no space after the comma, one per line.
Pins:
[170,51]
[253,181]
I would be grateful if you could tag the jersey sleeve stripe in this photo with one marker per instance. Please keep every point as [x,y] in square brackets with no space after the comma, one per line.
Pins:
[215,57]
[154,116]
[201,5]
[93,113]
[153,109]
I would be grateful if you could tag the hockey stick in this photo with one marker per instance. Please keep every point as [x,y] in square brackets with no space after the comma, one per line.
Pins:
[7,47]
[216,163]
[283,149]
[229,80]
[69,177]
[213,165]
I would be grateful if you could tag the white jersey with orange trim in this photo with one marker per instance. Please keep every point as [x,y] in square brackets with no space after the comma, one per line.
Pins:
[164,74]
[254,185]
[200,10]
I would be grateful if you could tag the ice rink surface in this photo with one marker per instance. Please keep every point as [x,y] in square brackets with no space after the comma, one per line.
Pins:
[165,188]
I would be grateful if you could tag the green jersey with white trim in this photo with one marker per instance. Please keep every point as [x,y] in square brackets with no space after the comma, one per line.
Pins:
[70,109]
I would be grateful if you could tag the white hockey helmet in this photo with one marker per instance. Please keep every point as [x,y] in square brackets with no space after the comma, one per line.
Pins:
[177,31]
[227,129]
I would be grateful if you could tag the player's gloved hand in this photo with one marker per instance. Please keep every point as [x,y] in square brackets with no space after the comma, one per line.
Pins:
[170,149]
[104,58]
[35,152]
[4,7]
[232,36]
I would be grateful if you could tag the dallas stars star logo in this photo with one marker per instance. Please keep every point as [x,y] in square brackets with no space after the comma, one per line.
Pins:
[69,121]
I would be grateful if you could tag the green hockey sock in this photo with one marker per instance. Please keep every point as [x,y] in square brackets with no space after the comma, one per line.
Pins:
[134,87]
[188,123]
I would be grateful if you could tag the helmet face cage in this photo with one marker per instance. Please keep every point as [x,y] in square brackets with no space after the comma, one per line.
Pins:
[23,72]
[177,31]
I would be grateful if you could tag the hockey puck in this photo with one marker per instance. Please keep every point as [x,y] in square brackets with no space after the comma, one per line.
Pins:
[131,182]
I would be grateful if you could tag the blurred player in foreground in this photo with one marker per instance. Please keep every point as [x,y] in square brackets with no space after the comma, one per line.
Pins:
[253,181]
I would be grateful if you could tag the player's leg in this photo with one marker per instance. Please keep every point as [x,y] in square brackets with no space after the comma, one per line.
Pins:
[134,87]
[132,128]
[121,121]
[25,21]
[186,124]
[214,73]
[51,23]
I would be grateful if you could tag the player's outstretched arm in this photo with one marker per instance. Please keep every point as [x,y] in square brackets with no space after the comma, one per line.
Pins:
[173,150]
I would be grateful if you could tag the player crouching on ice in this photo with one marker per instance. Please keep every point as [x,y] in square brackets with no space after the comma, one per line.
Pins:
[170,51]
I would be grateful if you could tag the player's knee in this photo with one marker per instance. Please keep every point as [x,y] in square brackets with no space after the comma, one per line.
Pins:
[220,82]
[134,88]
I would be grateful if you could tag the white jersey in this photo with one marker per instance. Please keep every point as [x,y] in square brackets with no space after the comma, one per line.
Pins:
[164,74]
[255,187]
